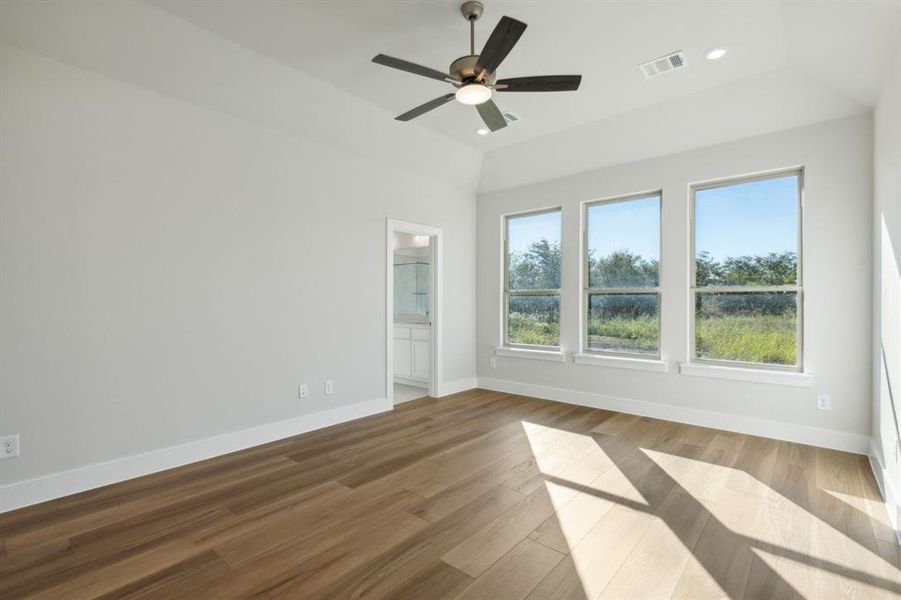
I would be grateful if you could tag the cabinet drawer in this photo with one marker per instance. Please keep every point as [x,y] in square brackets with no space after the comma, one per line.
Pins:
[420,334]
[401,333]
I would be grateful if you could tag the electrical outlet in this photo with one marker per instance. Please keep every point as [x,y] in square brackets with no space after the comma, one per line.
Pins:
[492,362]
[9,446]
[823,402]
[329,386]
[302,391]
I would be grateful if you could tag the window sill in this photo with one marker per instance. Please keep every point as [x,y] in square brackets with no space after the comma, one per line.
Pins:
[621,362]
[789,378]
[548,355]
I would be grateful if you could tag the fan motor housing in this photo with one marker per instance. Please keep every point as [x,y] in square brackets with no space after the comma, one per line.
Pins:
[464,68]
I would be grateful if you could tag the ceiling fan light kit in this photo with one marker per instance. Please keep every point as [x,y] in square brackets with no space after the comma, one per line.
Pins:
[474,75]
[473,93]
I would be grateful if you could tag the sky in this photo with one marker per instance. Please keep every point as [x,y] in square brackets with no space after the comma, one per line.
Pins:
[633,225]
[525,230]
[750,218]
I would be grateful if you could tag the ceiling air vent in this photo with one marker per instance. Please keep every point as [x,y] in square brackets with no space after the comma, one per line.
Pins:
[662,65]
[509,117]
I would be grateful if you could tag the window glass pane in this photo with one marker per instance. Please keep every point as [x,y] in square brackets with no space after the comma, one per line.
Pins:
[623,323]
[533,244]
[756,327]
[747,233]
[534,320]
[624,243]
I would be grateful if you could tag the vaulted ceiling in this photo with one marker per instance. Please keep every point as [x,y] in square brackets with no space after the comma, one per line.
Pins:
[304,67]
[832,51]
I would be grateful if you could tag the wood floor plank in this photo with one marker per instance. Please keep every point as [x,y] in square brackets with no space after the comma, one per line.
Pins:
[444,503]
[292,574]
[563,583]
[107,579]
[481,494]
[575,518]
[103,546]
[720,562]
[515,574]
[37,532]
[186,579]
[383,576]
[604,549]
[435,582]
[654,566]
[476,555]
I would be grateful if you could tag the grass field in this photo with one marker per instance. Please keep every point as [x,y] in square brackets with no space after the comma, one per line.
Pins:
[525,328]
[766,339]
[630,335]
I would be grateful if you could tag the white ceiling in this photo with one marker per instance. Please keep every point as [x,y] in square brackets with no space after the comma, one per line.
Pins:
[836,47]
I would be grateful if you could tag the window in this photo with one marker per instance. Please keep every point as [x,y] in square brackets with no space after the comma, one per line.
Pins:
[621,291]
[747,272]
[532,279]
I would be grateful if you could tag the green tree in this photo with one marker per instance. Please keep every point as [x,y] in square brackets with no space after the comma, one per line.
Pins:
[707,270]
[622,269]
[775,268]
[536,268]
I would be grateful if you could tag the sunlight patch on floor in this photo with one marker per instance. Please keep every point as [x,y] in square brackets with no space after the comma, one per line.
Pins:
[583,484]
[712,516]
[874,507]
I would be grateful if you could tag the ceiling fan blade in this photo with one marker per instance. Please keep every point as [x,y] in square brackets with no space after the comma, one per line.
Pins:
[403,65]
[499,44]
[541,83]
[424,108]
[492,116]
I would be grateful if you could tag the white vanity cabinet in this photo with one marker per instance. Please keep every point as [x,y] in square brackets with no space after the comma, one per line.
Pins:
[412,353]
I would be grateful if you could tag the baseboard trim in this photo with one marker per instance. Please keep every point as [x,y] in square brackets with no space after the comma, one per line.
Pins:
[32,491]
[790,432]
[420,383]
[889,494]
[456,386]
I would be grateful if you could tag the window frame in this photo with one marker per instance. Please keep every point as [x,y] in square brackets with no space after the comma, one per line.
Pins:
[507,293]
[798,288]
[623,291]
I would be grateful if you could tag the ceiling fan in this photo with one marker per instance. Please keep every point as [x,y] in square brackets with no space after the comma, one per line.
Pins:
[474,75]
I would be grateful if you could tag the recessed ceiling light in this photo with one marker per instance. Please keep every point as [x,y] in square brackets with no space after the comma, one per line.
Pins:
[482,131]
[716,53]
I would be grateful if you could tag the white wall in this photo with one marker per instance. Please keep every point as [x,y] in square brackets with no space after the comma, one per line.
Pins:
[135,42]
[163,276]
[887,286]
[780,100]
[837,157]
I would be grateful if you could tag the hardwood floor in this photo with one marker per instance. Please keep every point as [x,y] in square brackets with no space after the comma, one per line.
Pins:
[480,495]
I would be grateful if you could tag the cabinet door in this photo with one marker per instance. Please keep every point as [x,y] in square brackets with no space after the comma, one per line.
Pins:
[421,362]
[402,358]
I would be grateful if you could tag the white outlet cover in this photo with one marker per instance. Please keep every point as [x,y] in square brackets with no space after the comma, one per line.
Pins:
[823,402]
[9,446]
[302,391]
[329,387]
[492,362]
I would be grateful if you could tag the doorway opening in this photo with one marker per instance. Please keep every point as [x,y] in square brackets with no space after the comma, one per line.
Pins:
[412,298]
